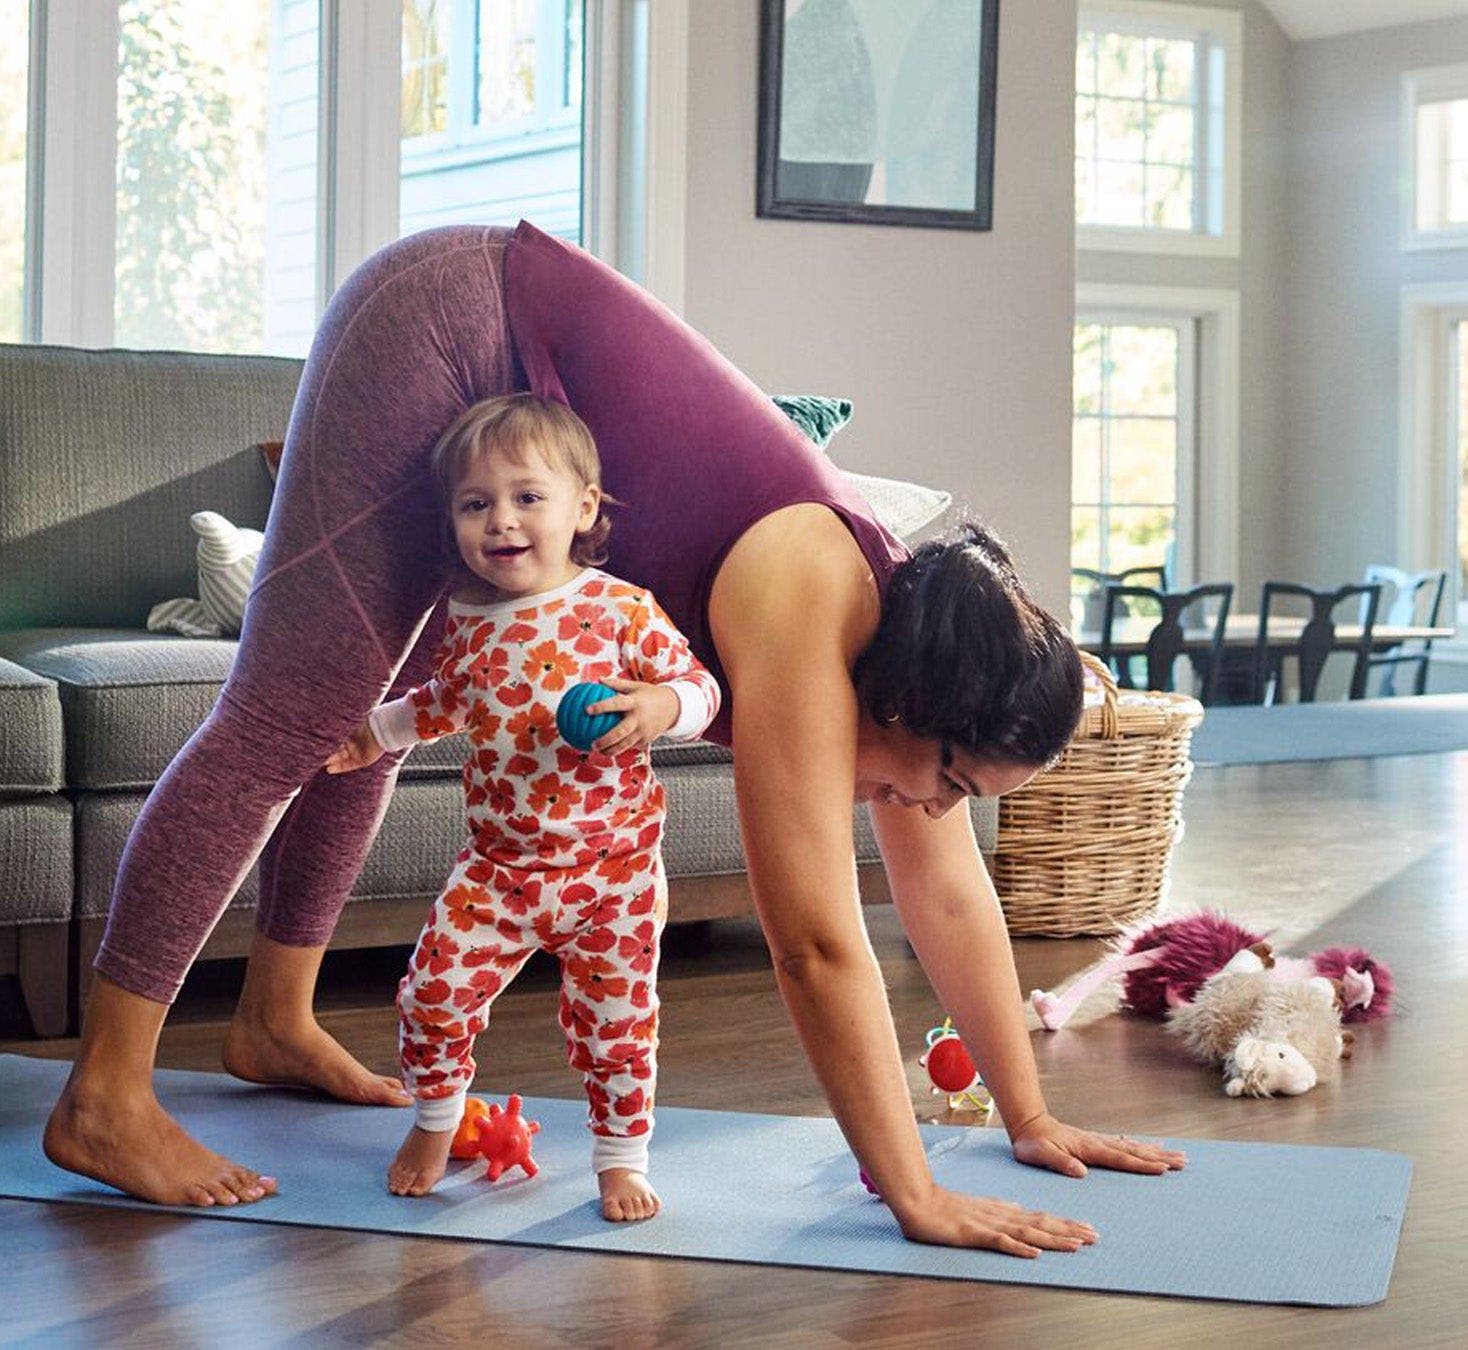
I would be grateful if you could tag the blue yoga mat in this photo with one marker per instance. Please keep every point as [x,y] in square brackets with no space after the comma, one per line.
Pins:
[1367,728]
[1263,1223]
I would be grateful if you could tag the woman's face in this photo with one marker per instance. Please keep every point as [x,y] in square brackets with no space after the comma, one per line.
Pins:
[894,766]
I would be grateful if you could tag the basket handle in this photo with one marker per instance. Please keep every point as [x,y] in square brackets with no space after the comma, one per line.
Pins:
[1110,724]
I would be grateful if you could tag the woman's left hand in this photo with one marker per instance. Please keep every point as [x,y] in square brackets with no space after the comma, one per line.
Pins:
[1044,1142]
[647,711]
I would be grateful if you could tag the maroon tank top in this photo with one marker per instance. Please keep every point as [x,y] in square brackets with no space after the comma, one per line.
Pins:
[690,445]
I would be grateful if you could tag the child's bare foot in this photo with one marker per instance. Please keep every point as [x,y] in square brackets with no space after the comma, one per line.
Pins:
[421,1162]
[626,1195]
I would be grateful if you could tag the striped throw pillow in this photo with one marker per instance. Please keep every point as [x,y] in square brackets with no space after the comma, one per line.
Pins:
[227,558]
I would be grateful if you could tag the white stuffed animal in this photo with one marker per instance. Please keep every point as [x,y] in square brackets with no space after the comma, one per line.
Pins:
[1271,1038]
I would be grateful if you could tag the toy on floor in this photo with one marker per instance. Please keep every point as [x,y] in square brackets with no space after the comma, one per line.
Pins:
[500,1135]
[1163,965]
[575,724]
[951,1070]
[1271,1036]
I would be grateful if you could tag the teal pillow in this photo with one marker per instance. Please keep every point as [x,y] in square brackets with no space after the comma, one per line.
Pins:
[820,418]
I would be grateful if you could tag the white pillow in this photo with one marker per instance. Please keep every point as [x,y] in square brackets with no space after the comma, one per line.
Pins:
[904,508]
[227,558]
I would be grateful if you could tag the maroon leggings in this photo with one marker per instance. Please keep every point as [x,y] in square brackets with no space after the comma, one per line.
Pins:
[344,611]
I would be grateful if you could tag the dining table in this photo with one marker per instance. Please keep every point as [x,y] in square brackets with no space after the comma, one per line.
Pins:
[1129,634]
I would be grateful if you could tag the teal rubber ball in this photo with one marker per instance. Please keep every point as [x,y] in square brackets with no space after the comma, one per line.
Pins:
[578,726]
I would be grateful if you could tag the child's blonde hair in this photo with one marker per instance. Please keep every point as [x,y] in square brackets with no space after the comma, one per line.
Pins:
[521,423]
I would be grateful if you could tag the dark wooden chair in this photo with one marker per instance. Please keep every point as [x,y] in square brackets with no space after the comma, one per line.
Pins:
[1092,594]
[1168,639]
[1416,598]
[1318,640]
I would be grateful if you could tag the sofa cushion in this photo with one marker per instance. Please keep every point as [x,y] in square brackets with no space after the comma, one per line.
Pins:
[31,742]
[132,699]
[105,454]
[35,859]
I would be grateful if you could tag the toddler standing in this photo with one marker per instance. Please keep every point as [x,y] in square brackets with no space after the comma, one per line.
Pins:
[564,853]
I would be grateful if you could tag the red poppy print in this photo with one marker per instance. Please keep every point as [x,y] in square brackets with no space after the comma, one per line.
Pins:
[587,629]
[549,666]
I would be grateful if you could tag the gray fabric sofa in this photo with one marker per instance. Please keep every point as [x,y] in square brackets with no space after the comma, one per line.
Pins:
[103,457]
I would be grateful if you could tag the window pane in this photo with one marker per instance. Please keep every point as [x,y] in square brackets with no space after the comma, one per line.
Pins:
[1143,460]
[1085,484]
[1170,136]
[425,97]
[1170,70]
[216,175]
[14,66]
[1137,537]
[1086,63]
[1142,370]
[1121,65]
[1120,126]
[1119,195]
[1085,537]
[1088,367]
[509,136]
[1169,197]
[507,65]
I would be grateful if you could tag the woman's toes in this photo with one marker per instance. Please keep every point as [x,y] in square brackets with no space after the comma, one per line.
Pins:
[199,1195]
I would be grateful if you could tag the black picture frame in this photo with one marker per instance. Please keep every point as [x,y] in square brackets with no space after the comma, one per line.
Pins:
[778,198]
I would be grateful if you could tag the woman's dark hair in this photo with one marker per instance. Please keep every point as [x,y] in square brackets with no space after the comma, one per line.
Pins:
[963,655]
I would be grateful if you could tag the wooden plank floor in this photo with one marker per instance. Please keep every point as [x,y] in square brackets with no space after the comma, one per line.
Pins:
[1368,852]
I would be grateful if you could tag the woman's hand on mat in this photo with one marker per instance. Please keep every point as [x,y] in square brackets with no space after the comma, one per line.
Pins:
[647,711]
[952,1219]
[1043,1141]
[357,752]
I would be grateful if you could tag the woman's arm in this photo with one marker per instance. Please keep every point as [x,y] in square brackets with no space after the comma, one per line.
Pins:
[951,914]
[787,625]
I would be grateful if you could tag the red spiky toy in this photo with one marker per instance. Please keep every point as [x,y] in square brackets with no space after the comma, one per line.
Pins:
[500,1135]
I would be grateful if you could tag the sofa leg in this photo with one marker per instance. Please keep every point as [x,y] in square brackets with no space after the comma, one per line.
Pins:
[88,941]
[44,968]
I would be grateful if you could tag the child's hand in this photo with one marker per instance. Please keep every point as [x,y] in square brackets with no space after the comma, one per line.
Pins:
[360,750]
[649,710]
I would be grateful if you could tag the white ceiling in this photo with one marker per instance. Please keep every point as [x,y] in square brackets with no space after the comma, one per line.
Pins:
[1303,19]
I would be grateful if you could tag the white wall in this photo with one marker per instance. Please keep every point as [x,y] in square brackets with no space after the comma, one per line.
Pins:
[954,345]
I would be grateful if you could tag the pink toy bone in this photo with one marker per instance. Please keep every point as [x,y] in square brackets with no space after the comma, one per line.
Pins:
[504,1139]
[1164,964]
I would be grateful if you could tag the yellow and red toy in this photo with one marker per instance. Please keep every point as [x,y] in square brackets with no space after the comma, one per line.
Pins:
[500,1135]
[951,1070]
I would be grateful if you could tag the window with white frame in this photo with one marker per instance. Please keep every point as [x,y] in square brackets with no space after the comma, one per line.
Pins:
[1435,156]
[210,170]
[1132,457]
[14,125]
[1157,127]
[491,113]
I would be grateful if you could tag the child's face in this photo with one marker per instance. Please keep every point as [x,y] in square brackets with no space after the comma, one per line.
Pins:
[515,516]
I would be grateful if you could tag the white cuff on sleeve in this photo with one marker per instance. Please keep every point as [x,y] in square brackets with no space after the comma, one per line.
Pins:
[620,1150]
[394,724]
[437,1114]
[693,711]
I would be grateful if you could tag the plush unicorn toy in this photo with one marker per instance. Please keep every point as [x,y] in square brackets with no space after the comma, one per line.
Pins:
[1163,965]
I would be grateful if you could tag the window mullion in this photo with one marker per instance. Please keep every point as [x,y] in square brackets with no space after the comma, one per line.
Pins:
[361,135]
[76,201]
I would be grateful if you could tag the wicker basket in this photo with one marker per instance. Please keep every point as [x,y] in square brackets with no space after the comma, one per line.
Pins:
[1085,847]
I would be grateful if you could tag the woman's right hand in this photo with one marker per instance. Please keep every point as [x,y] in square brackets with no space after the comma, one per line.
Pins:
[357,752]
[952,1219]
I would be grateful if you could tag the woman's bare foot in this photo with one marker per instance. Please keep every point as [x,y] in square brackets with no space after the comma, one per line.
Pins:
[302,1054]
[626,1195]
[127,1140]
[421,1162]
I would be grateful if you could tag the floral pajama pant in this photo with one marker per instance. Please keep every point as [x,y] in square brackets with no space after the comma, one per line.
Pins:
[604,923]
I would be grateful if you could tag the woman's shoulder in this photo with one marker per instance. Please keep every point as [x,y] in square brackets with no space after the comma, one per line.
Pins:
[796,576]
